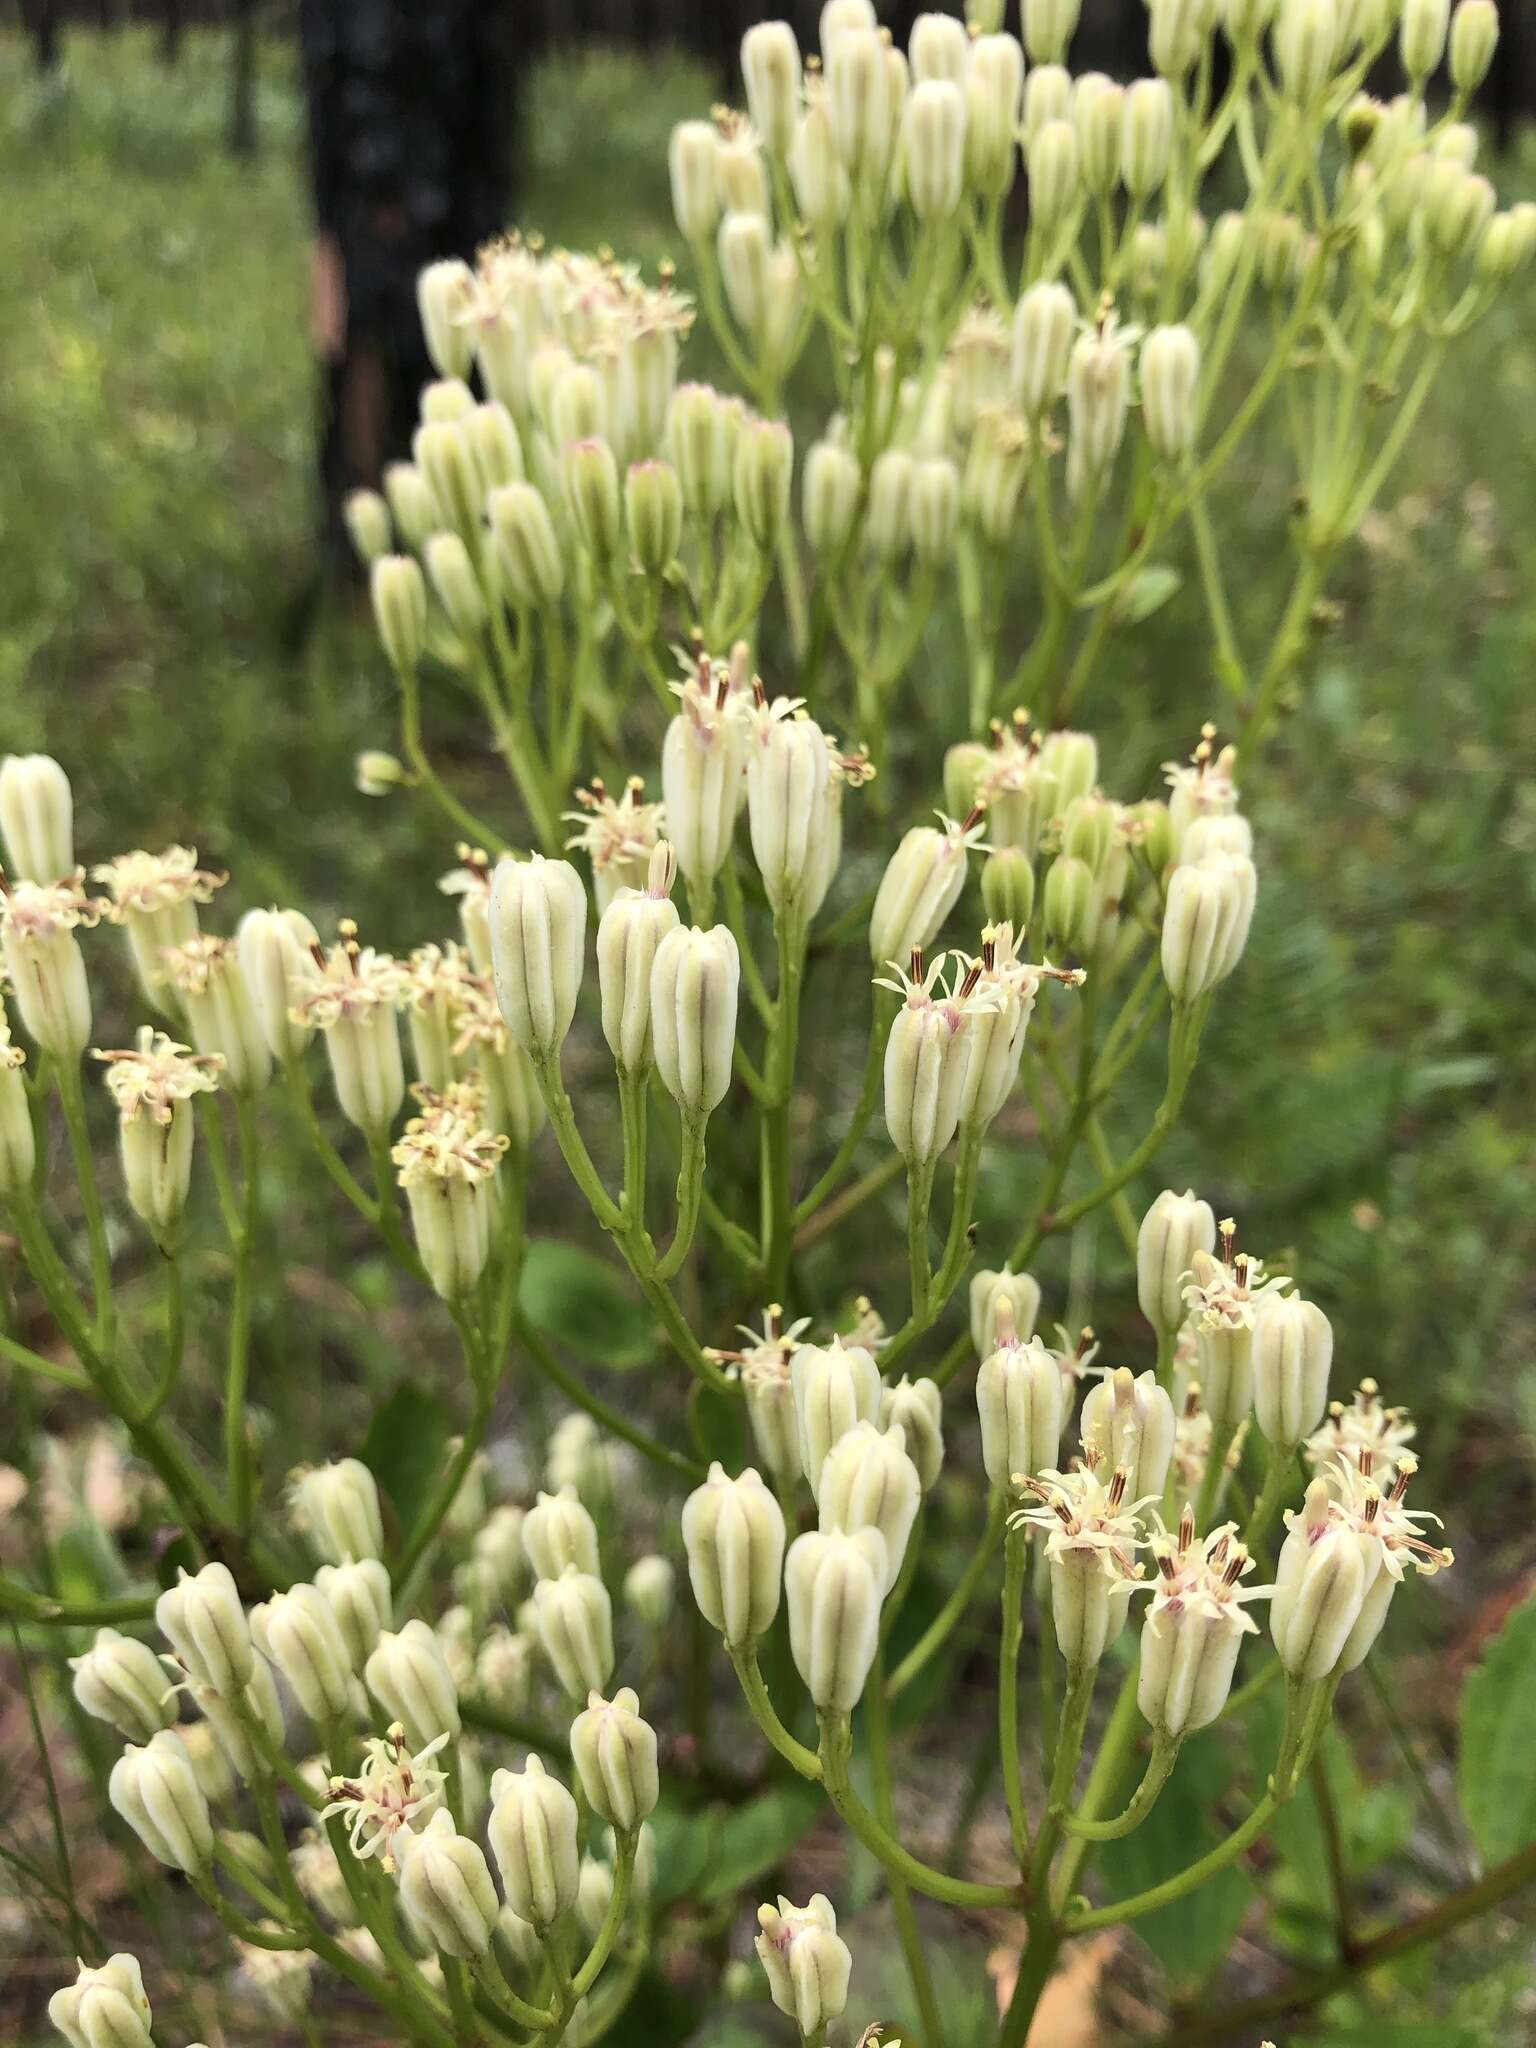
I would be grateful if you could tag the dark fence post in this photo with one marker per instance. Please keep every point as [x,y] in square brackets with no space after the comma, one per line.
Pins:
[41,19]
[173,22]
[242,85]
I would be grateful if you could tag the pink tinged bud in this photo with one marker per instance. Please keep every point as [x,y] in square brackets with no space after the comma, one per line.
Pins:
[1128,1426]
[1292,1355]
[155,1790]
[614,1752]
[733,1532]
[1020,1400]
[835,1388]
[538,935]
[695,979]
[1320,1584]
[869,1482]
[575,1622]
[532,1831]
[805,1961]
[917,1407]
[1172,1231]
[833,1587]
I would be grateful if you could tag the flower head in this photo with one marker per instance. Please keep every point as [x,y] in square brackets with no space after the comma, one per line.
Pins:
[152,1076]
[1377,1515]
[1220,1292]
[392,1790]
[1087,1516]
[1363,1433]
[141,882]
[443,1144]
[351,979]
[763,1361]
[615,832]
[196,966]
[1202,1576]
[41,910]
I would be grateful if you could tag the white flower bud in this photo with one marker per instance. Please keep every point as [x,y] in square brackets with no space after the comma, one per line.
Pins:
[741,174]
[695,979]
[1215,833]
[1054,164]
[558,1531]
[835,1387]
[532,1832]
[155,1790]
[1474,38]
[649,1592]
[1021,1292]
[504,1671]
[1047,97]
[37,817]
[1320,1585]
[47,968]
[538,935]
[124,1683]
[745,247]
[444,293]
[859,93]
[702,761]
[446,1888]
[938,48]
[1292,1353]
[1098,391]
[829,498]
[1193,1630]
[933,135]
[1049,26]
[653,515]
[1457,207]
[918,890]
[337,1508]
[204,1623]
[400,609]
[1176,34]
[1170,371]
[994,89]
[575,1621]
[1088,1606]
[409,1677]
[358,1595]
[927,1062]
[917,1407]
[867,1481]
[300,1634]
[788,770]
[934,510]
[527,550]
[833,1586]
[1043,325]
[1421,39]
[1205,923]
[104,2008]
[614,1752]
[277,966]
[456,584]
[1128,1426]
[1306,46]
[816,170]
[1098,115]
[1019,1398]
[838,16]
[691,158]
[770,69]
[806,1963]
[733,1532]
[1147,136]
[760,480]
[220,1013]
[628,935]
[1172,1231]
[1508,244]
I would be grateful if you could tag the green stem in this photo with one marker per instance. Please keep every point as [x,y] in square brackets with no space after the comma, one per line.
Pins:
[1015,1568]
[72,1101]
[675,1462]
[877,1724]
[26,1605]
[690,1183]
[765,1714]
[237,1449]
[1277,1480]
[869,1094]
[1165,1750]
[466,824]
[939,1630]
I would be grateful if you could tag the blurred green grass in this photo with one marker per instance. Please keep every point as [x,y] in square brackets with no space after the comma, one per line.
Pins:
[1368,1086]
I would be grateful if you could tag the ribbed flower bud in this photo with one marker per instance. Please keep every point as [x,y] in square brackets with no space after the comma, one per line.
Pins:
[1147,136]
[938,48]
[806,1963]
[994,90]
[1098,114]
[444,292]
[927,1060]
[1043,325]
[1022,1294]
[400,609]
[1049,26]
[204,1623]
[653,515]
[933,510]
[695,980]
[917,891]
[446,1888]
[1128,1426]
[1474,38]
[1306,46]
[1055,172]
[1458,205]
[1047,97]
[409,1677]
[835,1387]
[691,156]
[337,1508]
[1508,245]
[1176,33]
[1421,39]
[867,1481]
[527,550]
[358,1594]
[1071,759]
[298,1632]
[124,1683]
[575,1621]
[104,2008]
[788,770]
[745,247]
[456,584]
[1170,372]
[614,1752]
[277,964]
[589,476]
[829,498]
[1292,1356]
[538,936]
[733,1532]
[760,480]
[155,1790]
[1019,1399]
[1172,1231]
[917,1408]
[770,69]
[628,935]
[1194,1627]
[1098,391]
[532,1833]
[1205,923]
[37,817]
[933,137]
[494,446]
[1320,1585]
[558,1531]
[859,92]
[887,520]
[444,456]
[740,173]
[816,170]
[1008,886]
[1069,904]
[833,1586]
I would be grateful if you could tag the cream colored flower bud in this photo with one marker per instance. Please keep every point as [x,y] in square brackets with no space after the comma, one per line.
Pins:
[277,965]
[1147,136]
[1508,245]
[917,1408]
[1205,924]
[994,91]
[409,1677]
[1072,759]
[1070,904]
[527,551]
[938,48]
[927,1059]
[733,1532]
[838,16]
[788,769]
[1306,46]
[933,510]
[1292,1356]
[1049,26]
[1055,172]
[532,1832]
[1047,97]
[1176,34]
[1098,391]
[456,584]
[933,136]
[867,1481]
[538,937]
[1008,886]
[1170,372]
[369,526]
[1458,205]
[558,1531]
[1244,21]
[1128,1426]
[1190,1640]
[221,1015]
[1320,1585]
[887,516]
[816,170]
[770,69]
[987,1290]
[653,515]
[806,1963]
[834,1387]
[1421,39]
[695,980]
[444,292]
[1474,38]
[446,1888]
[859,92]
[917,892]
[1043,325]
[1215,834]
[298,1631]
[204,1623]
[157,1168]
[444,456]
[833,1586]
[1098,115]
[575,1623]
[37,817]
[829,498]
[1020,1400]
[155,1790]
[417,513]
[1172,1231]
[504,1671]
[1088,1606]
[628,935]
[358,1595]
[691,157]
[745,249]
[124,1683]
[700,434]
[614,1752]
[741,174]
[650,1587]
[337,1508]
[494,445]
[589,478]
[400,609]
[760,480]
[104,2008]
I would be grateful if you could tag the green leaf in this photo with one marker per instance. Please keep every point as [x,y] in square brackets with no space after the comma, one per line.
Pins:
[685,1842]
[1150,589]
[757,1836]
[406,1447]
[580,1302]
[1497,1785]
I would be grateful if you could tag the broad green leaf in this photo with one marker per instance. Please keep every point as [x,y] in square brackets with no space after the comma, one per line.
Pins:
[758,1835]
[1497,1784]
[684,1845]
[1151,588]
[406,1447]
[579,1301]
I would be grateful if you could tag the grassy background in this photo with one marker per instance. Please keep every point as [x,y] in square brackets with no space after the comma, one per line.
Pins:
[1368,1083]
